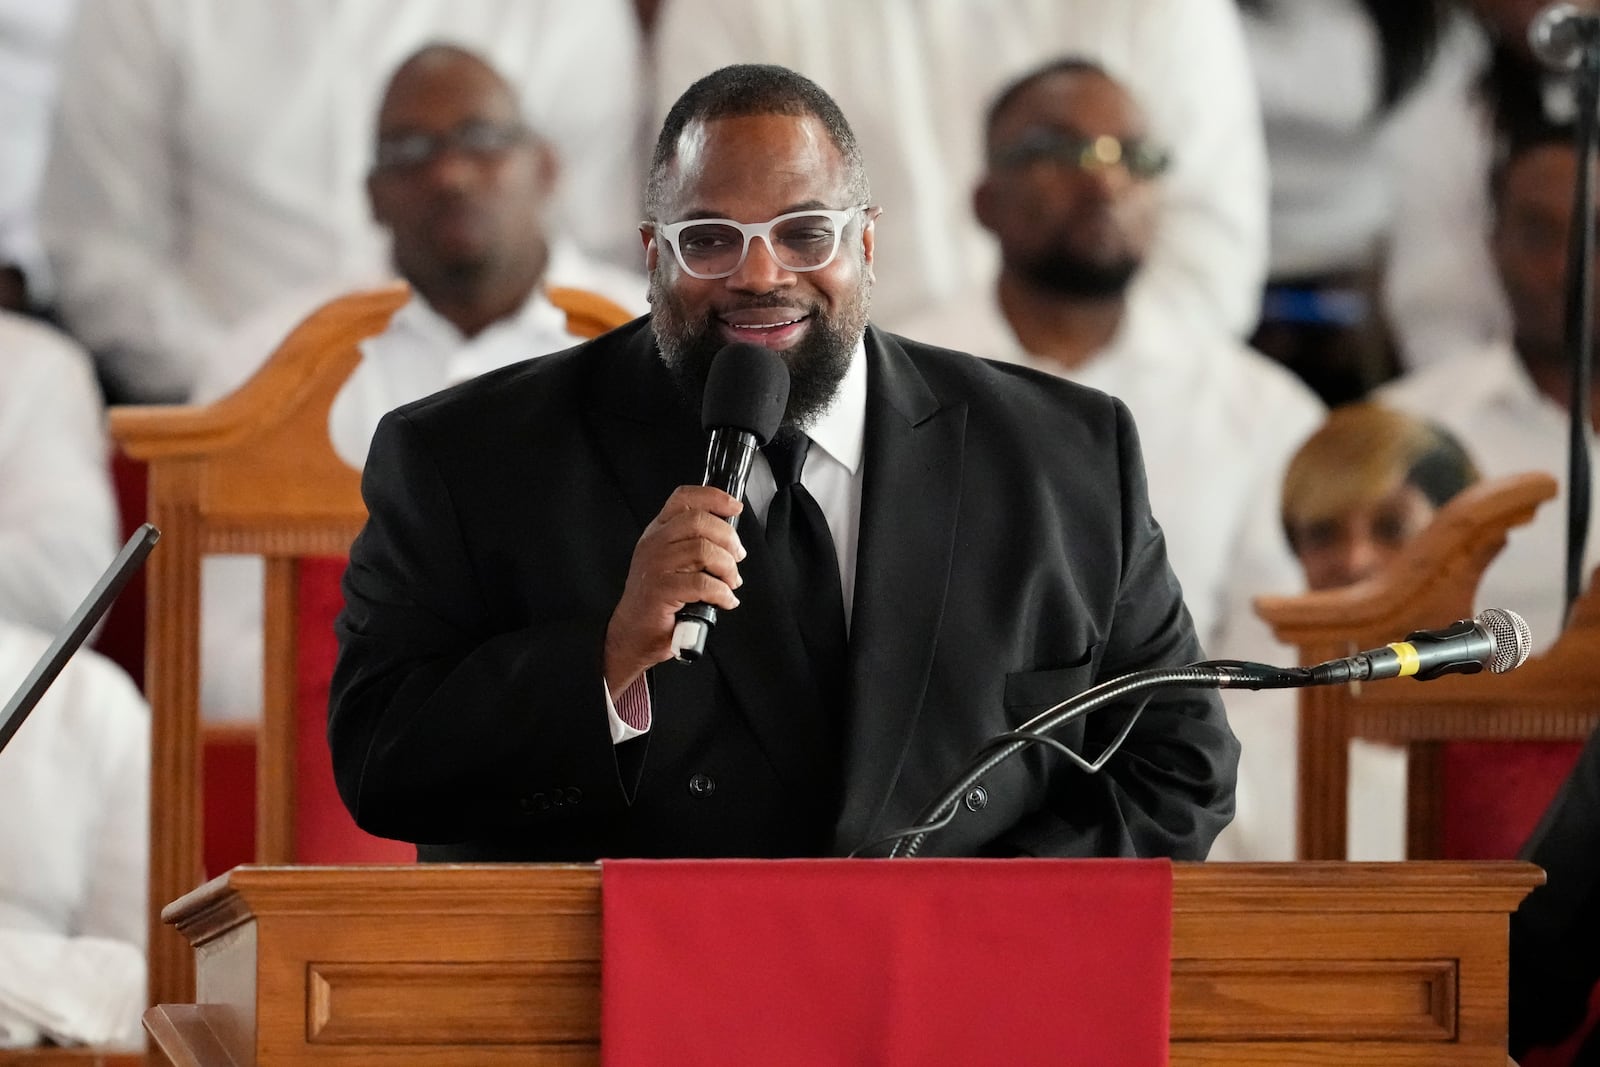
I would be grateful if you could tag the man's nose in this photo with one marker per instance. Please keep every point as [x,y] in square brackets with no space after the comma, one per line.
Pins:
[1361,557]
[450,168]
[1109,180]
[760,272]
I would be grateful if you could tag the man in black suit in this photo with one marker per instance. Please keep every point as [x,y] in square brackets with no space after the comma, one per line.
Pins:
[504,687]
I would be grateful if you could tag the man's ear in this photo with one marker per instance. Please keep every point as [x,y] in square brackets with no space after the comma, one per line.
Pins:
[374,201]
[546,165]
[983,203]
[652,251]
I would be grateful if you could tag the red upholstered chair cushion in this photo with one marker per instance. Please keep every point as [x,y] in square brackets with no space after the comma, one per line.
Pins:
[1495,792]
[121,637]
[324,830]
[228,790]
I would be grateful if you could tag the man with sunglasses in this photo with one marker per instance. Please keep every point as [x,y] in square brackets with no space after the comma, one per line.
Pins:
[505,689]
[1072,196]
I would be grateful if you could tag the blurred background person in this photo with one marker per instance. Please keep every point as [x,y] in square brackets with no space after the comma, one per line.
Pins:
[1335,79]
[58,514]
[31,36]
[207,158]
[1509,398]
[1442,288]
[463,189]
[1369,480]
[1072,196]
[908,74]
[74,852]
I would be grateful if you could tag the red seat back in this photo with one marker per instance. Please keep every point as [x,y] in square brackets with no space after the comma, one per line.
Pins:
[323,829]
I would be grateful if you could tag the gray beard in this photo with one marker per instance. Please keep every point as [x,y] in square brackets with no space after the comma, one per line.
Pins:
[817,365]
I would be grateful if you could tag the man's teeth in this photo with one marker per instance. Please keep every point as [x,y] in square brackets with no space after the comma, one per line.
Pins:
[768,325]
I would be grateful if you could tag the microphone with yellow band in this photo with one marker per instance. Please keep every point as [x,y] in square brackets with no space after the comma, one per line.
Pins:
[1496,639]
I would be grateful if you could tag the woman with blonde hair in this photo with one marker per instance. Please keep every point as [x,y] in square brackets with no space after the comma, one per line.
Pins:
[1362,486]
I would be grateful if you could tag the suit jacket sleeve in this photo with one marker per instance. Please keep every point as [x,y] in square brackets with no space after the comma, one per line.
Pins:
[1170,789]
[443,729]
[1555,934]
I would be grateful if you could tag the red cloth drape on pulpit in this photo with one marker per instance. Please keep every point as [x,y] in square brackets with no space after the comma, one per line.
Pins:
[808,962]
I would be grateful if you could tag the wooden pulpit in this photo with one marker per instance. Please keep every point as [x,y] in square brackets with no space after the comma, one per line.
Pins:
[1402,965]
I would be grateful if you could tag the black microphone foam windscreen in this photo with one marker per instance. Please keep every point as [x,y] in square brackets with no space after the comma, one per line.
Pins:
[747,389]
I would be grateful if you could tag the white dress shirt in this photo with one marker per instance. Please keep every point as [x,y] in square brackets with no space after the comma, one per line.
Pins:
[832,472]
[914,78]
[1486,399]
[422,352]
[74,784]
[58,513]
[31,34]
[1319,69]
[1441,289]
[208,158]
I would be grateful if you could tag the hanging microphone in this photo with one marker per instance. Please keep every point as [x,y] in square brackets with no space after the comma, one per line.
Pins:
[1497,639]
[747,391]
[1559,34]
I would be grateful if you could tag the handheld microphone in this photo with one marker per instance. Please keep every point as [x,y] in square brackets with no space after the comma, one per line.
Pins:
[1559,34]
[1496,639]
[747,391]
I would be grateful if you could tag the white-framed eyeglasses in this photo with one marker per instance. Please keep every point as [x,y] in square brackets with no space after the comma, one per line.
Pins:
[798,241]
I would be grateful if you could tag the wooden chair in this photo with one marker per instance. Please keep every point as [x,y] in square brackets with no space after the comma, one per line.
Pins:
[255,474]
[1449,724]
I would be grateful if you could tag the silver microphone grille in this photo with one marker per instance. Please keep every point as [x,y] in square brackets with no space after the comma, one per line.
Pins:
[1512,638]
[1556,36]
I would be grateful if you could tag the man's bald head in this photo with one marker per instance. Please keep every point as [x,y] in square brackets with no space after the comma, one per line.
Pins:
[444,67]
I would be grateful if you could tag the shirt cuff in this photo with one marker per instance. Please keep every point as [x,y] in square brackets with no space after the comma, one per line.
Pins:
[629,715]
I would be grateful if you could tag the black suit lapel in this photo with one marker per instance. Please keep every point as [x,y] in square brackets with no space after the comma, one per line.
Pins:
[651,440]
[909,501]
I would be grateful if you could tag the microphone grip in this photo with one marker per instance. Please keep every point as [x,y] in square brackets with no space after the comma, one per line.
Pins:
[730,453]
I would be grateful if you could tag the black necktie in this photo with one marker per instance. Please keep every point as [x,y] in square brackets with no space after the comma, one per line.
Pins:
[802,554]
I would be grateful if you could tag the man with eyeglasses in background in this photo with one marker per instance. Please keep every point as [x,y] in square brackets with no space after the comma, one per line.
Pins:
[1072,194]
[982,546]
[206,159]
[461,185]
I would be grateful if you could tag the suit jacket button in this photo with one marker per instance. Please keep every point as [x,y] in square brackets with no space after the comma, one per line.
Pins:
[702,785]
[977,798]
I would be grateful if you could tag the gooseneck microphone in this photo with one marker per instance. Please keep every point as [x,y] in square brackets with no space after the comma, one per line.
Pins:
[1558,35]
[747,391]
[1496,639]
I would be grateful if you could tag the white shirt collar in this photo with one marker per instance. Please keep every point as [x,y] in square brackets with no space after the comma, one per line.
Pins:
[840,431]
[417,316]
